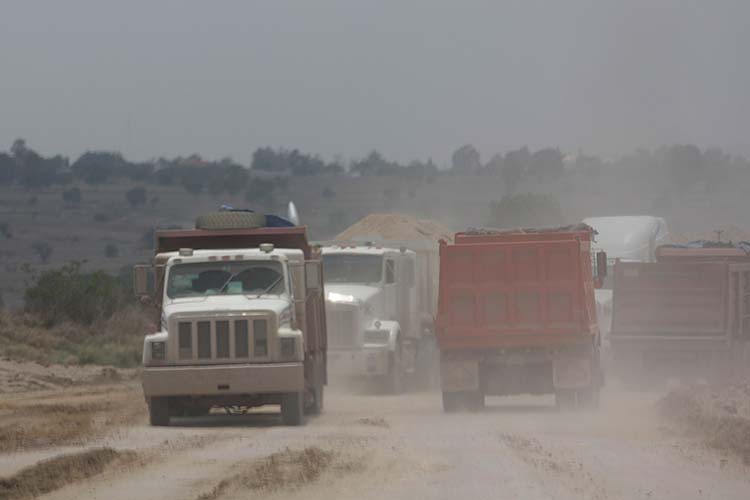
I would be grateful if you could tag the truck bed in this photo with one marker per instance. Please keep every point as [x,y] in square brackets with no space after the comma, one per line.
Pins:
[515,290]
[670,300]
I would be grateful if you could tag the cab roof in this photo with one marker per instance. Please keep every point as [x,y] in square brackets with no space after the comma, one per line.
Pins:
[360,250]
[290,254]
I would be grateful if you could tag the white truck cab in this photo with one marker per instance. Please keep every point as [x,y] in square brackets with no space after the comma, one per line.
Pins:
[371,311]
[239,326]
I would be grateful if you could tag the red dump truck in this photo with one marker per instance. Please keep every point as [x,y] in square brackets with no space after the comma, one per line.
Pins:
[517,315]
[685,315]
[242,320]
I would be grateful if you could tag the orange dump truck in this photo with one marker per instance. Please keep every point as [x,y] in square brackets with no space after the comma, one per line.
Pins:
[516,315]
[685,315]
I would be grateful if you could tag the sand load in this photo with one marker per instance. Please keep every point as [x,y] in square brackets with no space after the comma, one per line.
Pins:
[395,227]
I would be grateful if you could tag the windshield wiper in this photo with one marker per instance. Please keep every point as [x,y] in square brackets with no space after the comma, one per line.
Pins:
[269,287]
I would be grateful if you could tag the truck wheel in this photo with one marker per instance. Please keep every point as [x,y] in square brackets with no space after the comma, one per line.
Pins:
[565,399]
[393,379]
[588,398]
[230,220]
[292,408]
[451,401]
[316,408]
[474,400]
[158,411]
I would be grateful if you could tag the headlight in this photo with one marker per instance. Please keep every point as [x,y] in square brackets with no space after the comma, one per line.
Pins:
[288,348]
[379,337]
[158,351]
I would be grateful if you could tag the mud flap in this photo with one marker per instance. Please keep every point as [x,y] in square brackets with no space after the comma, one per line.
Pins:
[571,372]
[460,375]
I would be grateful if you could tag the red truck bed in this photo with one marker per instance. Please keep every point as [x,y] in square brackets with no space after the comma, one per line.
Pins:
[516,289]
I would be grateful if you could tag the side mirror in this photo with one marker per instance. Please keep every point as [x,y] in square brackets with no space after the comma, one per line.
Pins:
[313,278]
[141,280]
[601,264]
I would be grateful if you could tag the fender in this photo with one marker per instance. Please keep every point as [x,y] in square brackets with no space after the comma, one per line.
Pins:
[392,327]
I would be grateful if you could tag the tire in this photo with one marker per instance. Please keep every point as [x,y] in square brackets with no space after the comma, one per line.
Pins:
[565,399]
[158,411]
[463,401]
[316,408]
[292,408]
[230,220]
[394,381]
[451,402]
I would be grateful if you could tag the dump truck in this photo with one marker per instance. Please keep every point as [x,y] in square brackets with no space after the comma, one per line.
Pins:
[632,238]
[381,279]
[687,315]
[241,320]
[516,315]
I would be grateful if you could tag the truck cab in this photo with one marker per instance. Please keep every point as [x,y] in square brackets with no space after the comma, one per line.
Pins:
[238,327]
[371,309]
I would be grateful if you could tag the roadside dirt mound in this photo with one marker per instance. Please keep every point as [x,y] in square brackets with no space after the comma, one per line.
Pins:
[720,415]
[285,470]
[71,416]
[52,474]
[395,227]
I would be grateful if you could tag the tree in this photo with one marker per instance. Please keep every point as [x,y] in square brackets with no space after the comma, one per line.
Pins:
[466,160]
[43,250]
[72,196]
[685,164]
[547,164]
[525,210]
[96,167]
[8,170]
[515,165]
[111,251]
[136,197]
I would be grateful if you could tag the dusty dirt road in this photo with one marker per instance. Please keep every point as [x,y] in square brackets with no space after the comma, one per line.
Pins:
[375,447]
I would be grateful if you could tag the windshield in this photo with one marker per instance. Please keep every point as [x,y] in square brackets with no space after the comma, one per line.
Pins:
[349,268]
[225,278]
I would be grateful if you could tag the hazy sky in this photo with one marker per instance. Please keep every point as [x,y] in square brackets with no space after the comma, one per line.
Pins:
[411,79]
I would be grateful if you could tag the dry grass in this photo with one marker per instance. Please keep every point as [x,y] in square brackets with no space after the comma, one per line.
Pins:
[115,342]
[50,475]
[718,415]
[285,470]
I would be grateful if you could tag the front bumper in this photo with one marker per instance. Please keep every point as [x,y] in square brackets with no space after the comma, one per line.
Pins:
[215,380]
[369,362]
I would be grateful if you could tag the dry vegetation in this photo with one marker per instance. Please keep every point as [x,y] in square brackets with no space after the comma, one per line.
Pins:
[116,341]
[51,418]
[52,474]
[284,470]
[719,415]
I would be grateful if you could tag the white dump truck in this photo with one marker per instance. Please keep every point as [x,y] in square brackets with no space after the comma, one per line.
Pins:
[381,299]
[242,320]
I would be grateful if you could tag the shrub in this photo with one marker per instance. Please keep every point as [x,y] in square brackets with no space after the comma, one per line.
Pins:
[525,210]
[103,218]
[136,196]
[5,230]
[111,251]
[43,250]
[72,196]
[328,193]
[68,294]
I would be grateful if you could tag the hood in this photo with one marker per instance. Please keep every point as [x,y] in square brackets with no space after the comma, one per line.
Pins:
[348,293]
[226,303]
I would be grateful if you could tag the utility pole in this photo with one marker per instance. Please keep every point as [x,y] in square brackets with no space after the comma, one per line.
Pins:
[718,234]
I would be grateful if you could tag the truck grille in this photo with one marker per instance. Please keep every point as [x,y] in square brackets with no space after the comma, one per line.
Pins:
[343,327]
[221,339]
